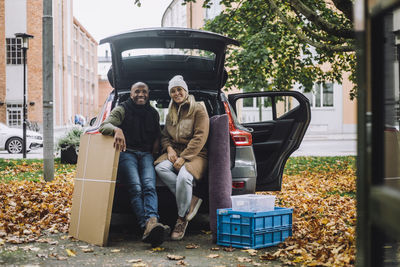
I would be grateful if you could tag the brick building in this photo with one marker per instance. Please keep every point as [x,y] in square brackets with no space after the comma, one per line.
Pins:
[75,87]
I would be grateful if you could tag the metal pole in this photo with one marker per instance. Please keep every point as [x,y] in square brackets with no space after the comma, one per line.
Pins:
[48,130]
[24,108]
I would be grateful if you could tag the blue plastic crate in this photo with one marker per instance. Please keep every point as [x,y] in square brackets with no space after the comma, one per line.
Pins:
[253,229]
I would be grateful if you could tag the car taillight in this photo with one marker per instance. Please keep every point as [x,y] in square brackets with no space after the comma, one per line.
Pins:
[239,137]
[237,185]
[107,111]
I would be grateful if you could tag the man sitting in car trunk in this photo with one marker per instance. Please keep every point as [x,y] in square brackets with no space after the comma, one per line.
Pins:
[136,130]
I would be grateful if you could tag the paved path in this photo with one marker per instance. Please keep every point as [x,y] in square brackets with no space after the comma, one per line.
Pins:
[327,148]
[33,154]
[317,145]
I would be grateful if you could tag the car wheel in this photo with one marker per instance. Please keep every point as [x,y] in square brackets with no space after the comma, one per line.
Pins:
[14,145]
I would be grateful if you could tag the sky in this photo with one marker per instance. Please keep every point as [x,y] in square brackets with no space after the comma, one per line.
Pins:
[103,18]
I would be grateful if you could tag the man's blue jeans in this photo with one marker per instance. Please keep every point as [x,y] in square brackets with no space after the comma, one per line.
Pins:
[136,171]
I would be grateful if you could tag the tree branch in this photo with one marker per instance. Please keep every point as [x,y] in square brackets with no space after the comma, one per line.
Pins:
[346,6]
[302,37]
[319,22]
[324,38]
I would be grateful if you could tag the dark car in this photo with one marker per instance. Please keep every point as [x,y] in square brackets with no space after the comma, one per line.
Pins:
[259,147]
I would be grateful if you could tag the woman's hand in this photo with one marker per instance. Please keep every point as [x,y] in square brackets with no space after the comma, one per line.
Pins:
[172,156]
[179,163]
[119,140]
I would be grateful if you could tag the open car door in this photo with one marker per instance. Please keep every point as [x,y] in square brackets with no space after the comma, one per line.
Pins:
[277,122]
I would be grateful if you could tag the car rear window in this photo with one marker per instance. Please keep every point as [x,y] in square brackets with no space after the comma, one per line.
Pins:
[168,51]
[196,59]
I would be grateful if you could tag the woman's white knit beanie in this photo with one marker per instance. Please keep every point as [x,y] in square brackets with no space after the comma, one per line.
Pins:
[177,81]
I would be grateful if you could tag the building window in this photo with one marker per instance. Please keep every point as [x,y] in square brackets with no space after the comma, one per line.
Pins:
[14,115]
[321,95]
[14,52]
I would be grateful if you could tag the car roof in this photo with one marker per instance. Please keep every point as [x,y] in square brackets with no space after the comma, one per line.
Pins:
[199,71]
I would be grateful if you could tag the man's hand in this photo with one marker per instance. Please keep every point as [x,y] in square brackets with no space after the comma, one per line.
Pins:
[119,140]
[172,156]
[179,163]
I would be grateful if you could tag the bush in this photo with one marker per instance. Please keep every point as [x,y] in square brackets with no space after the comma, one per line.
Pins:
[71,139]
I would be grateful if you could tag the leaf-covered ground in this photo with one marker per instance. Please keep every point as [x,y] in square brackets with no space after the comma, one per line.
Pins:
[321,191]
[29,205]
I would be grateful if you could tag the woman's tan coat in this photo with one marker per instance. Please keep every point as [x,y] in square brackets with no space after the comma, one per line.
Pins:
[188,138]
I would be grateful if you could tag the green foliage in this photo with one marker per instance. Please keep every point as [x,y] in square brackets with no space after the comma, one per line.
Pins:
[298,165]
[286,42]
[71,138]
[275,51]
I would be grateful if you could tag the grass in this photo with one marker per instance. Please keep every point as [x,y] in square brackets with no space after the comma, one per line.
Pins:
[32,169]
[297,165]
[29,169]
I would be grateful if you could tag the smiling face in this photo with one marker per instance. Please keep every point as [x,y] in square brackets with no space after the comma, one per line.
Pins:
[178,94]
[140,94]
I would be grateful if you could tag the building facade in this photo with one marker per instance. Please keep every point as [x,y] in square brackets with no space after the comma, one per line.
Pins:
[75,89]
[332,111]
[85,99]
[105,88]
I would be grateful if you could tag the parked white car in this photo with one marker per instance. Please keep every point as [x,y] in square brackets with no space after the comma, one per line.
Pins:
[11,139]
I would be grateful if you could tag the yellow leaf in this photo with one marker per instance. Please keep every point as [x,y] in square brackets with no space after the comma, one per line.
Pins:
[158,249]
[324,221]
[70,252]
[298,259]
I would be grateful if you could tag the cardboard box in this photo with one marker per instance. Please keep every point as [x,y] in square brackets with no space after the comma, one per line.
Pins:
[94,187]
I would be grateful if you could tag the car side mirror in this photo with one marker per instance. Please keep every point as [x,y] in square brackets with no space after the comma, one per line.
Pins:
[92,121]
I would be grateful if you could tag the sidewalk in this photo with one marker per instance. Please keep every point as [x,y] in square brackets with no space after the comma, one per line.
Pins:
[331,137]
[328,145]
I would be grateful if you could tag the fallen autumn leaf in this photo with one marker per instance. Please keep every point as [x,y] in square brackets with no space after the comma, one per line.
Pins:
[175,257]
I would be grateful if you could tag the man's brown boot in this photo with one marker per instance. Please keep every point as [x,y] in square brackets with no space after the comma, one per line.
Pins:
[154,232]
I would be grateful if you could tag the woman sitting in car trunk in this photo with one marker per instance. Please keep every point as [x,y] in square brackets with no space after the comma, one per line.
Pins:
[185,159]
